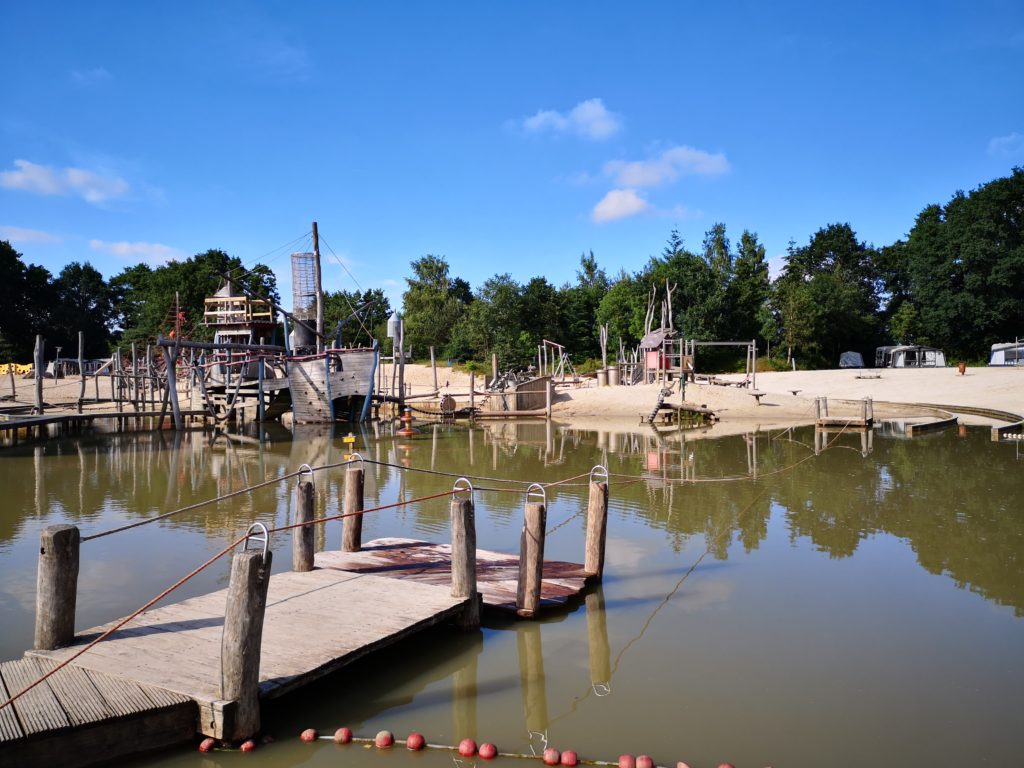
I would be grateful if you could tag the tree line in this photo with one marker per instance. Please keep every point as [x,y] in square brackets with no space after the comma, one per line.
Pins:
[955,282]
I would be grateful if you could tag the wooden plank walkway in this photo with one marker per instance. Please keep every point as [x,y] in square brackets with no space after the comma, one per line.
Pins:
[497,574]
[63,417]
[315,623]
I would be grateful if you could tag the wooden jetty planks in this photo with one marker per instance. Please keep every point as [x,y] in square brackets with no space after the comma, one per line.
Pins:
[38,710]
[75,691]
[10,728]
[422,561]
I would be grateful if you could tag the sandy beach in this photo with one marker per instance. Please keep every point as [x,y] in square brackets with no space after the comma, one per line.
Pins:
[789,397]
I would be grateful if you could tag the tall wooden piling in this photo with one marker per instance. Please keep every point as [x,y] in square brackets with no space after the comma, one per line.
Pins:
[81,369]
[433,367]
[597,530]
[56,586]
[171,352]
[241,644]
[303,537]
[472,392]
[463,521]
[40,366]
[531,559]
[352,526]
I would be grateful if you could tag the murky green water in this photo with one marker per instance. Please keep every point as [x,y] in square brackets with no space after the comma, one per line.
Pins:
[839,609]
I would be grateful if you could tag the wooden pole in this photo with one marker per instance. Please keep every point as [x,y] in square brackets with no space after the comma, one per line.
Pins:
[472,392]
[401,363]
[172,385]
[494,366]
[597,639]
[463,519]
[433,366]
[134,379]
[243,634]
[548,398]
[56,587]
[81,369]
[531,559]
[39,371]
[302,538]
[352,527]
[597,530]
[319,291]
[14,387]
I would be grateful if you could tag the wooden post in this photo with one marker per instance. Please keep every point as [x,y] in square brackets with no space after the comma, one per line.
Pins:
[14,387]
[548,398]
[472,392]
[302,538]
[433,367]
[56,587]
[401,364]
[172,385]
[243,634]
[39,366]
[463,519]
[494,366]
[134,379]
[531,559]
[597,530]
[81,369]
[352,527]
[318,289]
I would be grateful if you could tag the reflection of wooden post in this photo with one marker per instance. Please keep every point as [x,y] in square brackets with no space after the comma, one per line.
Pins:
[38,361]
[352,527]
[597,530]
[302,538]
[243,634]
[56,587]
[464,699]
[531,677]
[531,559]
[597,638]
[463,523]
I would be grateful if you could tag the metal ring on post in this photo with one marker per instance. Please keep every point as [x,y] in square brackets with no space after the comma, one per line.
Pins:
[353,458]
[540,492]
[306,468]
[265,538]
[467,489]
[602,689]
[597,471]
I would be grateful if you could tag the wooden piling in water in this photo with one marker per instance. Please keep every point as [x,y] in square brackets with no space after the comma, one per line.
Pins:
[463,522]
[241,645]
[597,530]
[352,526]
[531,559]
[303,548]
[56,586]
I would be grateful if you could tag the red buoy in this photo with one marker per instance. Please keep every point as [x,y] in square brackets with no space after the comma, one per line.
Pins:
[309,734]
[467,747]
[384,739]
[415,741]
[644,761]
[627,761]
[248,746]
[488,751]
[681,764]
[207,745]
[570,758]
[726,765]
[343,736]
[552,756]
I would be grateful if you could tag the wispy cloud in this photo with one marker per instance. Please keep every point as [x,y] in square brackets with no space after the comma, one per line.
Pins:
[1010,145]
[23,235]
[667,167]
[619,204]
[93,76]
[151,253]
[589,119]
[46,180]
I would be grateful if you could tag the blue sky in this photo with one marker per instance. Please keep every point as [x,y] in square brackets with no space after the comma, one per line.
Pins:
[507,137]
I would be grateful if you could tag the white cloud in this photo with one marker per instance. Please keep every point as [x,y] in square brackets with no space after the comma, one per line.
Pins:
[92,76]
[152,253]
[619,204]
[667,167]
[45,180]
[1010,145]
[589,119]
[22,235]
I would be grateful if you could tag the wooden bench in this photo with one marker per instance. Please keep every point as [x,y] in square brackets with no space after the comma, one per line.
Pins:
[796,392]
[757,395]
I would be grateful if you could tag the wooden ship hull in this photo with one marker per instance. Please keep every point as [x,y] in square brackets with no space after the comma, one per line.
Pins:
[331,386]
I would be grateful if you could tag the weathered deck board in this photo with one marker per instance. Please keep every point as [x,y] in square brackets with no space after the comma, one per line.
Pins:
[315,622]
[422,561]
[38,710]
[10,729]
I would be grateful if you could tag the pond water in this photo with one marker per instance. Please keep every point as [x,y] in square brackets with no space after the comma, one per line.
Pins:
[762,604]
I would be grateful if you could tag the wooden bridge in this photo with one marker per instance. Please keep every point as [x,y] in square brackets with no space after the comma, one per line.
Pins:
[203,665]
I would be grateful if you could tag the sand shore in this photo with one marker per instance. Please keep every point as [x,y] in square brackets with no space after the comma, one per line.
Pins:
[898,394]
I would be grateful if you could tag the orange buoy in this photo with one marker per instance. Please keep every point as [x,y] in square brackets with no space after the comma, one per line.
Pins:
[248,746]
[570,758]
[644,761]
[384,739]
[488,751]
[309,734]
[552,756]
[467,747]
[415,741]
[343,736]
[207,745]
